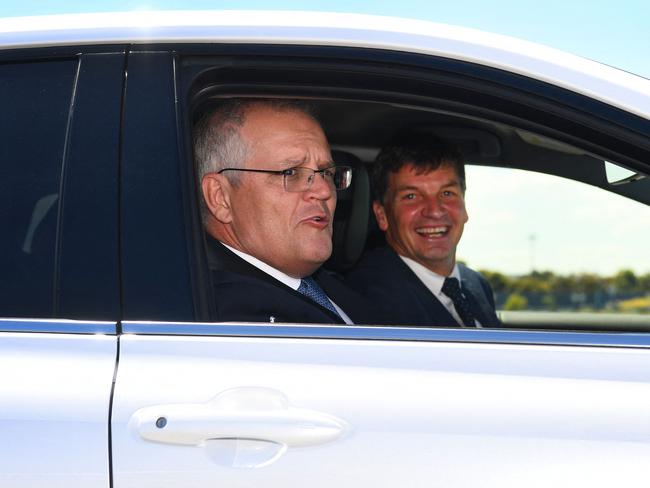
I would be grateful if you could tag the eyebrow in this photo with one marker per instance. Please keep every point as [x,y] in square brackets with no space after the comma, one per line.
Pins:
[301,162]
[450,183]
[405,188]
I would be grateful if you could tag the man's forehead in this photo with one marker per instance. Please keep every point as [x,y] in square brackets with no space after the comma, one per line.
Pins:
[268,122]
[291,137]
[444,173]
[264,111]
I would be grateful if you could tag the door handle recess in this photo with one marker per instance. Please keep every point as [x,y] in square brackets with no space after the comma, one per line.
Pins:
[240,413]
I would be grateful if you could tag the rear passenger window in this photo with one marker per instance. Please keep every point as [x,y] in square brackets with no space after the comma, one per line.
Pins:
[35,99]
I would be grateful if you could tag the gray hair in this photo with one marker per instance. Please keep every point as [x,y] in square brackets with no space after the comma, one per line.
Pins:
[217,140]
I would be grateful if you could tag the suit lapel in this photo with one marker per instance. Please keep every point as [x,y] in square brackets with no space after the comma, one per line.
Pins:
[476,296]
[476,309]
[430,305]
[220,258]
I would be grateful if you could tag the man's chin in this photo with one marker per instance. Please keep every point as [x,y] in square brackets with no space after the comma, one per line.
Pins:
[317,256]
[441,263]
[306,254]
[320,256]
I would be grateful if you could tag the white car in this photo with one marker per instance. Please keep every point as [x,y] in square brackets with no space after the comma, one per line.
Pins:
[113,374]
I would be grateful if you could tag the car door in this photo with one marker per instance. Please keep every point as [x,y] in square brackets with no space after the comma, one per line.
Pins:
[276,405]
[199,403]
[59,290]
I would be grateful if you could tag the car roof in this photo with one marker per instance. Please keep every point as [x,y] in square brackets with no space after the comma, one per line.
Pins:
[615,87]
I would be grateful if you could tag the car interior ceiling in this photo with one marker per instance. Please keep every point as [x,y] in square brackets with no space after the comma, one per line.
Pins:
[361,128]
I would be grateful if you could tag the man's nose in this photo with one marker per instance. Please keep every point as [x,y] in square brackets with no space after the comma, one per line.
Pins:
[320,188]
[433,207]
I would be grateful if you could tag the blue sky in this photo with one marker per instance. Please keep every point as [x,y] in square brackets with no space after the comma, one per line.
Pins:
[614,33]
[548,229]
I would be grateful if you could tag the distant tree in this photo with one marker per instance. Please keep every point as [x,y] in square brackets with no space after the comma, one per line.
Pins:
[644,283]
[549,302]
[532,283]
[542,275]
[548,291]
[625,281]
[564,284]
[516,301]
[498,281]
[590,283]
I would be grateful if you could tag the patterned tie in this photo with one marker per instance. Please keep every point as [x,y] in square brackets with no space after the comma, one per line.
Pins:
[311,289]
[451,288]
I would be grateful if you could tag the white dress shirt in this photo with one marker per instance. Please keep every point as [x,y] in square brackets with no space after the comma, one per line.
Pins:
[291,282]
[434,281]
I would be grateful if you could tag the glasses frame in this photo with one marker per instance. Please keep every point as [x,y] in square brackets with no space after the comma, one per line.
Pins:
[285,173]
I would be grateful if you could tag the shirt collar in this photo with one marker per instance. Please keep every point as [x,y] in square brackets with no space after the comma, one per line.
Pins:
[291,282]
[432,280]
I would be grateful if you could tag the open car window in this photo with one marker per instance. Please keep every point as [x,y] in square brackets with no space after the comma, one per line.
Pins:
[503,123]
[560,252]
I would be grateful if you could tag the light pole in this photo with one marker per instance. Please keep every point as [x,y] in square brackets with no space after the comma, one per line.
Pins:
[532,238]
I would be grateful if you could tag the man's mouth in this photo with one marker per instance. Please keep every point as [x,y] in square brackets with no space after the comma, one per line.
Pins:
[319,220]
[437,231]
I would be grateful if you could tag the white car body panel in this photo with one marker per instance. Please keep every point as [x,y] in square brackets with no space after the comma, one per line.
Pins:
[55,392]
[604,83]
[415,413]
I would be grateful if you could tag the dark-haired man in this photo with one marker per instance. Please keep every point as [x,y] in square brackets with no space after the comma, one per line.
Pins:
[269,193]
[419,188]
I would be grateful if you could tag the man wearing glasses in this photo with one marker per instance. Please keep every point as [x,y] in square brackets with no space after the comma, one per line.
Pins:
[269,189]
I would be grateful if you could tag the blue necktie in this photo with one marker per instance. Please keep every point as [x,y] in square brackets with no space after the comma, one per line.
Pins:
[451,288]
[312,290]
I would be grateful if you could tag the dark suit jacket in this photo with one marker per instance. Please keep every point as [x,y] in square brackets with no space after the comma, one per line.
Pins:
[244,293]
[389,283]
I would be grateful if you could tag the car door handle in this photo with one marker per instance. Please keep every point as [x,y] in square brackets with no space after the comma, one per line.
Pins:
[241,413]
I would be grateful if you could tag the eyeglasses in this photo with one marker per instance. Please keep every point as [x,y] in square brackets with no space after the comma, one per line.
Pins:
[300,179]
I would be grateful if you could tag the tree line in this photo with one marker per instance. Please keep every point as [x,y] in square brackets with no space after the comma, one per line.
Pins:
[625,291]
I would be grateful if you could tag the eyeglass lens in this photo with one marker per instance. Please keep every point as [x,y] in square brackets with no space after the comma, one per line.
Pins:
[301,179]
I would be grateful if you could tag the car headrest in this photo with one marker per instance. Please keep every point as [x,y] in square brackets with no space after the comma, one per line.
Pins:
[351,216]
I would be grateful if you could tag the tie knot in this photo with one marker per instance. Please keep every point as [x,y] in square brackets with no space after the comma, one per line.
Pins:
[451,287]
[311,289]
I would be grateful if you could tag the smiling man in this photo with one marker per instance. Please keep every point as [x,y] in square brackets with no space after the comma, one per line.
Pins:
[269,193]
[419,188]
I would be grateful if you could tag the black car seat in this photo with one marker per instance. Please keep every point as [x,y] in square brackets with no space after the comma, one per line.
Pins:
[351,216]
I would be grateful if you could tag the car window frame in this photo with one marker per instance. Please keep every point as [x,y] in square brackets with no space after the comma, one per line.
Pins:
[234,65]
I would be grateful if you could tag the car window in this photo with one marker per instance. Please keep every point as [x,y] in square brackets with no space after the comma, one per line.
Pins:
[516,123]
[35,99]
[550,245]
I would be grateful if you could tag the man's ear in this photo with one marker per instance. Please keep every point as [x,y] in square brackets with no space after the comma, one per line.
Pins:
[217,194]
[380,215]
